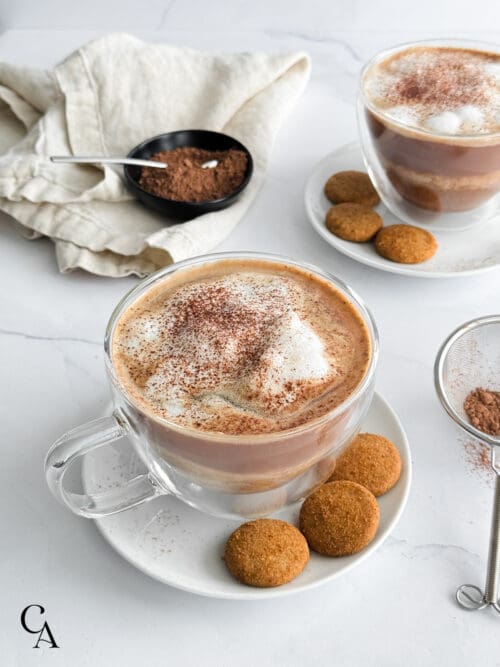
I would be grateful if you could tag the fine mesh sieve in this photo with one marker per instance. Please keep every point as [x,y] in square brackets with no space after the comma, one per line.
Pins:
[470,358]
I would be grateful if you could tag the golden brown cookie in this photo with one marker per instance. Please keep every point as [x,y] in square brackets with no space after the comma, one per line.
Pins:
[266,552]
[370,460]
[353,222]
[353,187]
[405,244]
[339,518]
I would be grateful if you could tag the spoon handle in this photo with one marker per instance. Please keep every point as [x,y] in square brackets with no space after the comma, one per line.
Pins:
[493,572]
[96,159]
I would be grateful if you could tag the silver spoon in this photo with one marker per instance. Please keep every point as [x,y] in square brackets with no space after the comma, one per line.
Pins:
[94,159]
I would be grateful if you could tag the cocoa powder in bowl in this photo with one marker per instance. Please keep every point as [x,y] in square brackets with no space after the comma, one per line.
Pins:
[186,180]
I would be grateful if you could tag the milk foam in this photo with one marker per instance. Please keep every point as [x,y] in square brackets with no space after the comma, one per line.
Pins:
[289,351]
[229,349]
[293,353]
[446,91]
[296,353]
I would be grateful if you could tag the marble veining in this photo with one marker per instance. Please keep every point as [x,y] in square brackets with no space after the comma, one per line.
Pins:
[64,339]
[422,550]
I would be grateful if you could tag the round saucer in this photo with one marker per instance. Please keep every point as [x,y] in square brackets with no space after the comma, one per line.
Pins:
[182,547]
[460,253]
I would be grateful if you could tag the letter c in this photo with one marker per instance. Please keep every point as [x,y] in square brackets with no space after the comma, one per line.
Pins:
[23,618]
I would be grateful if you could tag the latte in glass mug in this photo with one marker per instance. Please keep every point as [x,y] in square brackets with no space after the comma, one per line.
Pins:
[238,377]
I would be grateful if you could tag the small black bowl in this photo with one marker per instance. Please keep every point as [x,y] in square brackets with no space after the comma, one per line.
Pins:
[205,139]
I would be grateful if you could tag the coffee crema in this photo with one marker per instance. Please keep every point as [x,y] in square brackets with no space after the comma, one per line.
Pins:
[442,90]
[241,347]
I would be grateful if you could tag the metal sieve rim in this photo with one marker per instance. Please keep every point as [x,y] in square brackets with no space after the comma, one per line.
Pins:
[439,381]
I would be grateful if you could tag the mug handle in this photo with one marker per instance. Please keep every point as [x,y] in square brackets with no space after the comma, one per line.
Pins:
[79,442]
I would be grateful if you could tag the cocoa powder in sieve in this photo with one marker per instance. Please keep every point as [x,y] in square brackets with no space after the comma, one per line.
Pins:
[482,407]
[186,180]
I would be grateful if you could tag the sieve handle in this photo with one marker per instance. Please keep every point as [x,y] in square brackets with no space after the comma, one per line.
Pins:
[493,572]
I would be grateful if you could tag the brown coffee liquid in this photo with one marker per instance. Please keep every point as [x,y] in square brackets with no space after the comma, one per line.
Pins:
[240,347]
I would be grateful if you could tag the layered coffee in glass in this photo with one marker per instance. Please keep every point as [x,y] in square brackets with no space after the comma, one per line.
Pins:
[429,119]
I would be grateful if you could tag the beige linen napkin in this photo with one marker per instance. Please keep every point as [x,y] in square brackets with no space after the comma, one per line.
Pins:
[104,99]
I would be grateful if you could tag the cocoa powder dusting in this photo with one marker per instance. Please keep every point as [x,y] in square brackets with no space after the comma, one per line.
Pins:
[186,180]
[217,352]
[478,458]
[482,407]
[444,84]
[432,80]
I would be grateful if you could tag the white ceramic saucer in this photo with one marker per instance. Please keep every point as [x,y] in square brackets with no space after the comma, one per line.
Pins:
[182,547]
[460,253]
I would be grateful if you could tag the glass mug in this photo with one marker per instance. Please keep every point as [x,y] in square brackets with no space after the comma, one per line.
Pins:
[450,181]
[226,475]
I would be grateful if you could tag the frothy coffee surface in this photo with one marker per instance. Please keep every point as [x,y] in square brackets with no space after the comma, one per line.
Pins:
[442,90]
[240,346]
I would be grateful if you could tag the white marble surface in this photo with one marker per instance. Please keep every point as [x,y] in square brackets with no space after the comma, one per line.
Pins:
[397,608]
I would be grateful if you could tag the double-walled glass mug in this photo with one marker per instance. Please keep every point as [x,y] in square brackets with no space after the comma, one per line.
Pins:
[226,475]
[424,176]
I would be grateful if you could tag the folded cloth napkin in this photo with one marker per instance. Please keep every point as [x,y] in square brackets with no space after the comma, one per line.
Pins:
[104,99]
